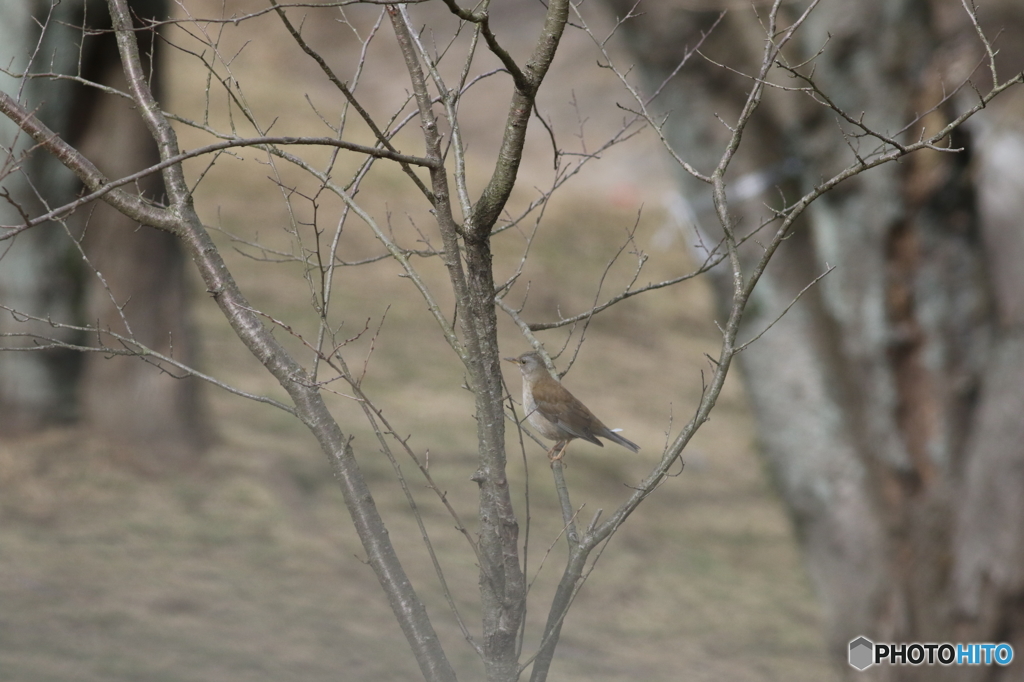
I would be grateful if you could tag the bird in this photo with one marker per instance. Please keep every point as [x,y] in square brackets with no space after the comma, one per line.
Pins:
[557,414]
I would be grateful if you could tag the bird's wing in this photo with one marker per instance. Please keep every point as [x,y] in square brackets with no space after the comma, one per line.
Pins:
[557,405]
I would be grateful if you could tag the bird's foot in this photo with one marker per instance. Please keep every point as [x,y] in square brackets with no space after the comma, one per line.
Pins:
[552,457]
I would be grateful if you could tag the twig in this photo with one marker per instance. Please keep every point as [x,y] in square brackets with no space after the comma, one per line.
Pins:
[743,346]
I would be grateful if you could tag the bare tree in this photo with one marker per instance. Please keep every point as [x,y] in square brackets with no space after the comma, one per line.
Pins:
[884,399]
[445,67]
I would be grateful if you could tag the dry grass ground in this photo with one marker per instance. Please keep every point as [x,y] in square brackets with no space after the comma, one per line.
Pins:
[248,570]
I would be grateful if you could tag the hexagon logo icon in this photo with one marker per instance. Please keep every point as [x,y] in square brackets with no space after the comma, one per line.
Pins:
[862,652]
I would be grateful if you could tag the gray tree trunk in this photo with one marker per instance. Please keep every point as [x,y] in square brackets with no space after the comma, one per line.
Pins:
[890,398]
[156,418]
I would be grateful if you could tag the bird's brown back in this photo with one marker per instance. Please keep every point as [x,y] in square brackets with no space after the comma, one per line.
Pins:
[556,404]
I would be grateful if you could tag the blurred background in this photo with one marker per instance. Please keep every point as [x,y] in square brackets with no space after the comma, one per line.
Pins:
[154,528]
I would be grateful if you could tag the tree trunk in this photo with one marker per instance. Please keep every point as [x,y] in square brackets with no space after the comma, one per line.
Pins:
[156,419]
[889,399]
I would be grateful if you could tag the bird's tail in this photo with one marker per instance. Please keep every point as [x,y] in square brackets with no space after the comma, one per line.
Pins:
[616,438]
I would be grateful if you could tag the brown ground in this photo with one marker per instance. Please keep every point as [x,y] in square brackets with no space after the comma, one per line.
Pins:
[247,569]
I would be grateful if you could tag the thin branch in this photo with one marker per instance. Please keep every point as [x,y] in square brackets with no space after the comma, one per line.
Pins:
[309,404]
[568,515]
[492,200]
[399,254]
[261,142]
[344,89]
[743,346]
[130,347]
[90,176]
[484,20]
[972,12]
[643,103]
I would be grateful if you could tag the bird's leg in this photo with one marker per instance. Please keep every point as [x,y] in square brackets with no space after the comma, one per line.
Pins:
[561,451]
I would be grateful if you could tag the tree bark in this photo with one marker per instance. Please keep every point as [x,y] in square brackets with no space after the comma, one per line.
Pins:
[156,419]
[888,400]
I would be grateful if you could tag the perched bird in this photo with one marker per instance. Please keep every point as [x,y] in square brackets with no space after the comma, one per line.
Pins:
[555,413]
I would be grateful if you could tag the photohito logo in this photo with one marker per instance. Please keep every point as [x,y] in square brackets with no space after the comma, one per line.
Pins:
[865,653]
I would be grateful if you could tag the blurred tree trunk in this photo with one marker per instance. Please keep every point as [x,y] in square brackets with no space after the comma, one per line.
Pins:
[155,418]
[890,399]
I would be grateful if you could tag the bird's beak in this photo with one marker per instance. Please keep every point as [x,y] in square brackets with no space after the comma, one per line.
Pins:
[514,361]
